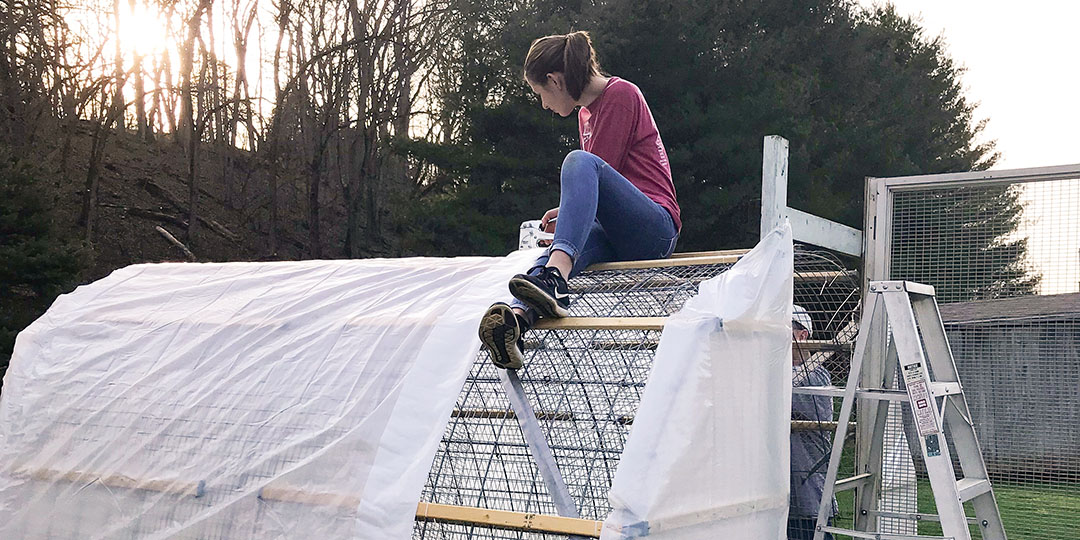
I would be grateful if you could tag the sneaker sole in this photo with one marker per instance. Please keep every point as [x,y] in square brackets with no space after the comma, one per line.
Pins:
[504,353]
[536,298]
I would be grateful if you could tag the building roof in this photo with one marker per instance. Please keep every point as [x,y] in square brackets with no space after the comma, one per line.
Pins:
[1024,307]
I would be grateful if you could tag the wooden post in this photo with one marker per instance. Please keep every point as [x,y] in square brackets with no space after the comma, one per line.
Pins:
[774,175]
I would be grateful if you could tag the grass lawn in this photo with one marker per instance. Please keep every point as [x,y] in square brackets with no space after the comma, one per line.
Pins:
[1029,511]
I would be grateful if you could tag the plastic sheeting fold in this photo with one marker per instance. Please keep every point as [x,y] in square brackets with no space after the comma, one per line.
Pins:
[240,400]
[708,456]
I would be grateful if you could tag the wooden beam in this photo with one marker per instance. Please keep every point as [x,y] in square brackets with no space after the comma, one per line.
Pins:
[722,252]
[502,519]
[665,263]
[601,323]
[445,513]
[654,323]
[774,182]
[117,481]
[661,281]
[806,227]
[626,419]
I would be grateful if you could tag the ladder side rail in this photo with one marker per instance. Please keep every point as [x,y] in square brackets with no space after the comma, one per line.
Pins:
[825,506]
[956,417]
[867,498]
[934,448]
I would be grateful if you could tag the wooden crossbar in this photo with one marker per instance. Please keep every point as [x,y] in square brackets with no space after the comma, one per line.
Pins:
[702,258]
[118,481]
[654,323]
[665,263]
[693,254]
[502,519]
[625,420]
[601,323]
[445,513]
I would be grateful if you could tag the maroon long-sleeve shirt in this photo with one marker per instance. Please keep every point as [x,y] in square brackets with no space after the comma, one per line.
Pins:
[618,126]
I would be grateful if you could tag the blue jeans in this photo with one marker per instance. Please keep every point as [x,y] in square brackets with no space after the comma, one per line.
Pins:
[603,217]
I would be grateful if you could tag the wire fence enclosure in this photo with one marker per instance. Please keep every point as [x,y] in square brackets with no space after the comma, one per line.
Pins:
[585,384]
[1002,249]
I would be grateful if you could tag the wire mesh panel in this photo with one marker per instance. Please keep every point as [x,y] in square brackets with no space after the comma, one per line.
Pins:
[1004,257]
[585,386]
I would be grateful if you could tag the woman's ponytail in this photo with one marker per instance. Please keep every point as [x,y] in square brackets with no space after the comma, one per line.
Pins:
[579,62]
[572,55]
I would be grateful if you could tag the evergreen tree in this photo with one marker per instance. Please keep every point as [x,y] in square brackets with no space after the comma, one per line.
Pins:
[857,93]
[35,264]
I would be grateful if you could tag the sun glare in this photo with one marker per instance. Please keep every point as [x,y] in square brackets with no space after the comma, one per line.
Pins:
[142,30]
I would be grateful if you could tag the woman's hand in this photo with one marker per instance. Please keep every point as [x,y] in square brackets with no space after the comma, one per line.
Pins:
[547,223]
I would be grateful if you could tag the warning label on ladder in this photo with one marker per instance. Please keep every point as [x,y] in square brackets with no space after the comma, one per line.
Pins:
[921,400]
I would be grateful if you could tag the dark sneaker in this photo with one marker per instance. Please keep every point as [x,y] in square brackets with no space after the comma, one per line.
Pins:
[501,331]
[544,290]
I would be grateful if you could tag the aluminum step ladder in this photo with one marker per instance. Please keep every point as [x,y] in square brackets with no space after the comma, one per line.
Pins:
[930,384]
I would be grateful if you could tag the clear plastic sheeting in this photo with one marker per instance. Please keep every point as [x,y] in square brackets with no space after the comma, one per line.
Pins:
[708,456]
[241,400]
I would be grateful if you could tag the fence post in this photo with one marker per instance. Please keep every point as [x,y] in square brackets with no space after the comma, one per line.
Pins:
[774,172]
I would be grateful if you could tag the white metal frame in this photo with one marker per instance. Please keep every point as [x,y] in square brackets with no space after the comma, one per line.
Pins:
[879,203]
[880,195]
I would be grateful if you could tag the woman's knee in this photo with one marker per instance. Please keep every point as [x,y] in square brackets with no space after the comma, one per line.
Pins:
[578,159]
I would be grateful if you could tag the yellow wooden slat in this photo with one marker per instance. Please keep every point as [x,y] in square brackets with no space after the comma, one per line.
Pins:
[467,515]
[650,323]
[502,519]
[689,254]
[601,323]
[116,481]
[505,414]
[665,263]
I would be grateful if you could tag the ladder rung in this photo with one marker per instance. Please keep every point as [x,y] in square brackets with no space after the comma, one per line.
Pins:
[945,388]
[940,389]
[862,393]
[969,488]
[914,516]
[853,482]
[881,536]
[910,287]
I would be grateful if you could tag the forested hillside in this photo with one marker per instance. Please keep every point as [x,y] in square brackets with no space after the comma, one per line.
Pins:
[214,130]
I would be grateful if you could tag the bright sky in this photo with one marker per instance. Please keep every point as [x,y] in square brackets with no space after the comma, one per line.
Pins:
[1023,67]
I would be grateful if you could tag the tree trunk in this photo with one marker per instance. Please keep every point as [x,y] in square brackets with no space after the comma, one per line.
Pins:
[142,124]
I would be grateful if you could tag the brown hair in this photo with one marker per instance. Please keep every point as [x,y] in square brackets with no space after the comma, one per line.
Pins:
[572,55]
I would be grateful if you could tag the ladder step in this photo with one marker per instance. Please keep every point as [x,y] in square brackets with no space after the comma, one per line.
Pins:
[969,488]
[881,536]
[853,482]
[861,393]
[939,389]
[945,388]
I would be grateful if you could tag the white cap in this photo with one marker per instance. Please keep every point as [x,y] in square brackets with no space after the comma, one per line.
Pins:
[801,316]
